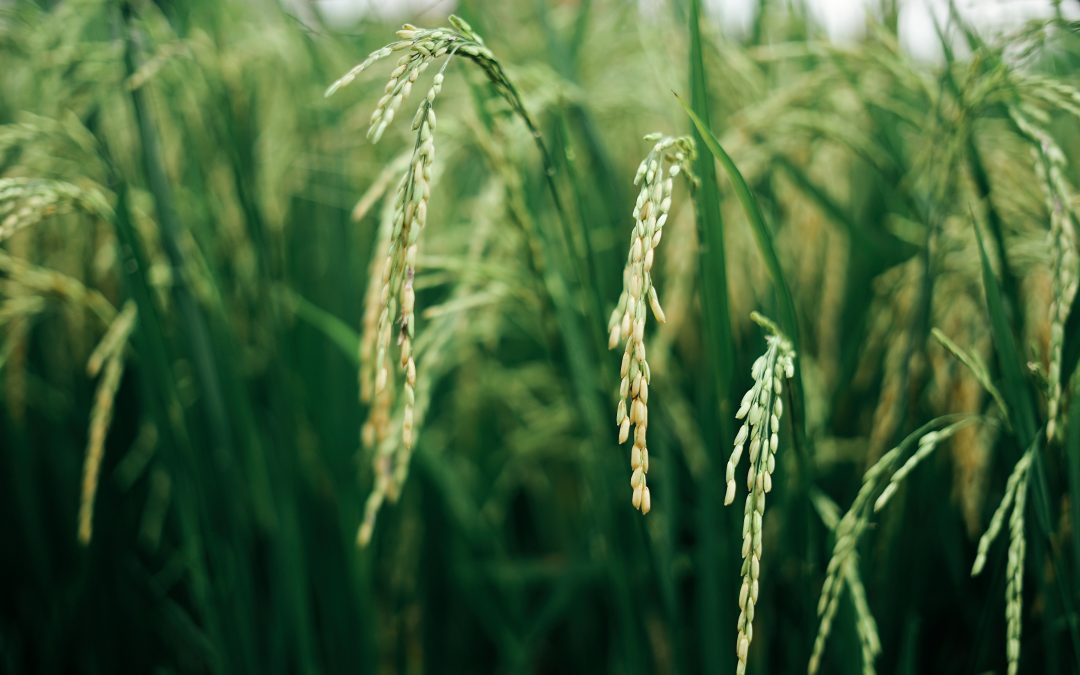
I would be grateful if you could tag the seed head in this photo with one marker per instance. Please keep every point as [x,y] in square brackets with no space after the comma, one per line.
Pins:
[628,319]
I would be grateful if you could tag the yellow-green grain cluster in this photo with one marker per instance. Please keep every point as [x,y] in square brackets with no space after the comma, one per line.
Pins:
[27,201]
[667,159]
[390,311]
[107,359]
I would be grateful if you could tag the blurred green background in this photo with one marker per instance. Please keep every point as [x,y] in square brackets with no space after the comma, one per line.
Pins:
[192,170]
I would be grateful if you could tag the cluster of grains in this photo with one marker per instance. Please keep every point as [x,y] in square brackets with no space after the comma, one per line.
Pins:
[842,570]
[865,625]
[377,424]
[1014,587]
[397,296]
[760,410]
[1050,167]
[390,312]
[668,158]
[27,201]
[29,286]
[108,360]
[1015,498]
[421,48]
[927,444]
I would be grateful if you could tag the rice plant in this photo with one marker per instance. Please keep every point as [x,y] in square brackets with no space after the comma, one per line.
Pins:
[242,318]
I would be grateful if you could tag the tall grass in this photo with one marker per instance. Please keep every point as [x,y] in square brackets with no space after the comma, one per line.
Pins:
[187,236]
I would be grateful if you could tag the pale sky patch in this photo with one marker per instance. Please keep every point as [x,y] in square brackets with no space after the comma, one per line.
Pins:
[841,20]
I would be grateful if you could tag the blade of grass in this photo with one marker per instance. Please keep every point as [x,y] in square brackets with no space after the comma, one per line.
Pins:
[339,333]
[757,223]
[719,352]
[1017,390]
[159,390]
[202,354]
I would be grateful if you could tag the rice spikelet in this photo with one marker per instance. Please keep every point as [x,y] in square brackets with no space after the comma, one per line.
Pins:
[881,480]
[668,158]
[761,409]
[1014,499]
[109,357]
[1050,168]
[392,309]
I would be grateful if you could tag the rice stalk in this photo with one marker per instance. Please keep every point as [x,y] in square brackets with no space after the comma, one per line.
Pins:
[108,356]
[422,47]
[398,274]
[668,158]
[1012,504]
[761,409]
[881,479]
[1051,168]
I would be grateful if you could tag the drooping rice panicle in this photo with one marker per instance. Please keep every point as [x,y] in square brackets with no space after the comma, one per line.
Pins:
[761,409]
[41,283]
[847,534]
[1012,485]
[26,201]
[392,309]
[927,445]
[107,358]
[1014,585]
[668,158]
[397,291]
[369,332]
[1012,504]
[856,521]
[422,47]
[865,625]
[1050,168]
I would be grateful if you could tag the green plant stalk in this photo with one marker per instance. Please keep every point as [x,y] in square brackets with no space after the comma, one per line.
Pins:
[160,391]
[170,233]
[208,371]
[717,412]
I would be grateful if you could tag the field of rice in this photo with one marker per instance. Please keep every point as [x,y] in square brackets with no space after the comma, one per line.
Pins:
[575,336]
